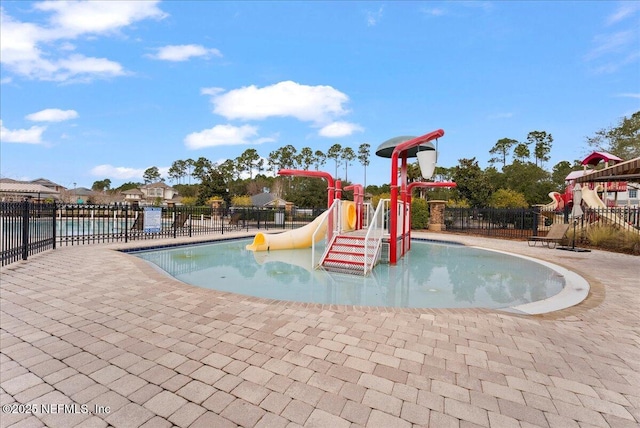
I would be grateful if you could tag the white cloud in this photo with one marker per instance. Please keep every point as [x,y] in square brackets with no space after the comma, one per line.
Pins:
[40,51]
[613,51]
[624,11]
[119,172]
[434,11]
[339,129]
[211,91]
[32,135]
[610,43]
[74,18]
[373,17]
[183,52]
[629,95]
[52,115]
[318,104]
[221,135]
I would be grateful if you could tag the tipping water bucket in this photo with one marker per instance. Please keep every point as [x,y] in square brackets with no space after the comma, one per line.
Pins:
[427,156]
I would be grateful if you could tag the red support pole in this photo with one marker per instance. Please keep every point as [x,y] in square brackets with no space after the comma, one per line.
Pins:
[331,189]
[358,199]
[393,219]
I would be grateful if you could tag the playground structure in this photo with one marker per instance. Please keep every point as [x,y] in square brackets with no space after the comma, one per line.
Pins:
[600,212]
[354,234]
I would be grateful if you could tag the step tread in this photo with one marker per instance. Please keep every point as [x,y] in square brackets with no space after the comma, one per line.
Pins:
[351,262]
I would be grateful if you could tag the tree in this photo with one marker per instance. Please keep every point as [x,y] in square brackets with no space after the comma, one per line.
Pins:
[228,170]
[622,140]
[101,185]
[320,159]
[472,182]
[151,174]
[501,149]
[305,158]
[521,152]
[177,170]
[348,155]
[335,152]
[561,170]
[189,164]
[247,161]
[530,180]
[201,168]
[213,184]
[541,142]
[363,157]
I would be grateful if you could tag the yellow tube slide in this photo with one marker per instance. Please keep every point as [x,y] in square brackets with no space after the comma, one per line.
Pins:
[301,237]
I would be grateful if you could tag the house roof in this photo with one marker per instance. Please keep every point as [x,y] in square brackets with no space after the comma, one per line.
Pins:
[133,191]
[45,182]
[27,188]
[155,185]
[82,191]
[263,199]
[623,171]
[596,157]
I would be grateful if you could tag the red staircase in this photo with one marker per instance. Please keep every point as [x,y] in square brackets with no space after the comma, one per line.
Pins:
[346,254]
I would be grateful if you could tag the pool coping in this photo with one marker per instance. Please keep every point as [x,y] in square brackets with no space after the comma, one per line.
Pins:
[575,291]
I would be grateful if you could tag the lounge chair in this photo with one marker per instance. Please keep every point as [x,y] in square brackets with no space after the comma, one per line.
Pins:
[235,219]
[554,236]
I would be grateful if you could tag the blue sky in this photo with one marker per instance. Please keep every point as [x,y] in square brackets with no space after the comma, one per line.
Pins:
[94,90]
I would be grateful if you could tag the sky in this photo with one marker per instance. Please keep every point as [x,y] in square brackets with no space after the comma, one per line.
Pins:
[95,90]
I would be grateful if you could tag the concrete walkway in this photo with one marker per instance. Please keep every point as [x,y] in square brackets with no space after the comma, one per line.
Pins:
[92,337]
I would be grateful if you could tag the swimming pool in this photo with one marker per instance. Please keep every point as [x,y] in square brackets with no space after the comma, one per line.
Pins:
[431,275]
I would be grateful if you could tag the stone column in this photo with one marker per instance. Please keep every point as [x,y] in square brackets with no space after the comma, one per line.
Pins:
[436,215]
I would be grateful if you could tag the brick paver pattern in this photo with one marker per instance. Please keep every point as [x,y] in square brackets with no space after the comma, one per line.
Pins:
[92,337]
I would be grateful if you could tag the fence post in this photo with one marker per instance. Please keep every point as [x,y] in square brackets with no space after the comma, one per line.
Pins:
[55,230]
[175,221]
[126,223]
[534,226]
[25,230]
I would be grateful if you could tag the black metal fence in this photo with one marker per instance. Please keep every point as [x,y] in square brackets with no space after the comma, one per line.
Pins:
[28,228]
[504,223]
[25,229]
[525,222]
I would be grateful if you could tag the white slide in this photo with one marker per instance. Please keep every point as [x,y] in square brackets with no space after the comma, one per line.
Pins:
[591,200]
[302,236]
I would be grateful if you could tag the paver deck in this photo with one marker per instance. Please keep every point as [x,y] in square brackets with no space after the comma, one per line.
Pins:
[92,337]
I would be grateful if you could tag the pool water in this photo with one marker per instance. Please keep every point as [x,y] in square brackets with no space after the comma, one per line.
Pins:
[431,275]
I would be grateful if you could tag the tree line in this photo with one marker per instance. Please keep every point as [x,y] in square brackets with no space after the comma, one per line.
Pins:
[516,176]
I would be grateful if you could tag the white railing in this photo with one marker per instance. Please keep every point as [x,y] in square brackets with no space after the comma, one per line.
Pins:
[375,233]
[332,224]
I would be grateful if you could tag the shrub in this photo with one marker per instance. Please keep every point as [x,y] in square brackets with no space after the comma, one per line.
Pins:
[241,201]
[604,236]
[189,200]
[419,214]
[507,198]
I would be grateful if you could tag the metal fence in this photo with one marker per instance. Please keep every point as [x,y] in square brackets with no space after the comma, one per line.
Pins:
[27,228]
[504,223]
[525,222]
